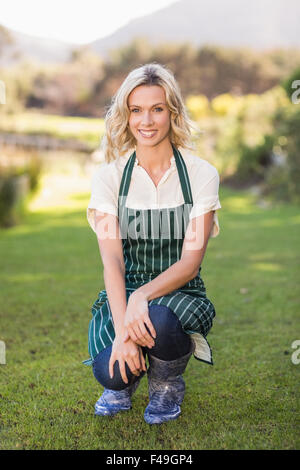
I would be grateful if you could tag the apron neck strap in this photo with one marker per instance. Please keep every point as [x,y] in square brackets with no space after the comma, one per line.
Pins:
[183,176]
[126,177]
[182,172]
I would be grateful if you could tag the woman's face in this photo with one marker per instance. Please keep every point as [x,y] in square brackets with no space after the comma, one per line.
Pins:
[149,119]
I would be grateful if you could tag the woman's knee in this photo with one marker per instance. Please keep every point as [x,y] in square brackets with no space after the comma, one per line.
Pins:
[162,318]
[171,341]
[101,372]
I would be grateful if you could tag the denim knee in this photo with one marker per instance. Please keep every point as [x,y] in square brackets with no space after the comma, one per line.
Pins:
[171,341]
[101,372]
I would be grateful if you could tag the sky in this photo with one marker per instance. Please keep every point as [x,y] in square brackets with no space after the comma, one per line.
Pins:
[73,21]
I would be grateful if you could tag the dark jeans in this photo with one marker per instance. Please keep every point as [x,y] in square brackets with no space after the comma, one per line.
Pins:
[170,343]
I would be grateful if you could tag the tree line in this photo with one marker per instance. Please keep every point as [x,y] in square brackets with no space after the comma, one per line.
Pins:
[85,84]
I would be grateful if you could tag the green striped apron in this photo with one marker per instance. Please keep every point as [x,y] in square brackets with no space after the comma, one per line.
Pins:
[152,241]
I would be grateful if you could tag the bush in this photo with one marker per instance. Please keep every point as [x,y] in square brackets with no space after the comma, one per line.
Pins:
[224,103]
[254,161]
[247,134]
[283,180]
[12,195]
[17,186]
[198,106]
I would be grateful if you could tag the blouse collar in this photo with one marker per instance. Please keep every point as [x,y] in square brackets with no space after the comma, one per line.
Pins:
[172,161]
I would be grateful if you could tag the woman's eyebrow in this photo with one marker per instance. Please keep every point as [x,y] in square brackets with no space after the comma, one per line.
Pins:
[137,106]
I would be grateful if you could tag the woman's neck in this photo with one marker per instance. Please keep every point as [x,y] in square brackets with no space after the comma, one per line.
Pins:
[155,159]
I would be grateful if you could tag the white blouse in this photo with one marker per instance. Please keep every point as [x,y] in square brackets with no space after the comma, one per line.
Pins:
[143,194]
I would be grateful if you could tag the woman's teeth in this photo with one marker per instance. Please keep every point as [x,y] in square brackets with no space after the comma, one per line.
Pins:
[147,133]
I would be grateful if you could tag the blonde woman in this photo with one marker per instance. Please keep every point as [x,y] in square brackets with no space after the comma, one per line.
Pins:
[153,211]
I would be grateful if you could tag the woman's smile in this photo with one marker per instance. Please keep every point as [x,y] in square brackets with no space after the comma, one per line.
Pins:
[147,134]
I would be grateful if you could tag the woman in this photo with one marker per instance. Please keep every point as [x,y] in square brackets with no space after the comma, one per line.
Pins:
[153,211]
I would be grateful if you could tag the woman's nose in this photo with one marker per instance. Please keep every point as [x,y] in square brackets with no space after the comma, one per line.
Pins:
[147,119]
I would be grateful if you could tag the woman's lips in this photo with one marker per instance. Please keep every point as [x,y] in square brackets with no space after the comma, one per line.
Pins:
[147,134]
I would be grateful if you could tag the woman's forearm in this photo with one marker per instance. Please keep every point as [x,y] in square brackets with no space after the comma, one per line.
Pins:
[169,280]
[115,287]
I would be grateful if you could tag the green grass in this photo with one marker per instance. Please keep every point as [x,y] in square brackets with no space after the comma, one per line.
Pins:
[51,274]
[87,130]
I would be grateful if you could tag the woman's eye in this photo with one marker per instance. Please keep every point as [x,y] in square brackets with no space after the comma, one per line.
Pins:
[157,109]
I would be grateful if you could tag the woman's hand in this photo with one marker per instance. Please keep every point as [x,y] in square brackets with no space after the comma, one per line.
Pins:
[129,353]
[136,320]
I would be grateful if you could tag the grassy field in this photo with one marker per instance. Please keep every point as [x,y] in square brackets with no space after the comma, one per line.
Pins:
[50,276]
[87,130]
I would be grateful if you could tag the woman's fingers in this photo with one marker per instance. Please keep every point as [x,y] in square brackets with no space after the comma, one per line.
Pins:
[139,334]
[123,371]
[112,360]
[136,364]
[142,360]
[140,343]
[126,336]
[134,338]
[150,326]
[146,337]
[132,334]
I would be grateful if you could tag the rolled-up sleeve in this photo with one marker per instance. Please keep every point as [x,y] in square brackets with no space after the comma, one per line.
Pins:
[103,195]
[206,198]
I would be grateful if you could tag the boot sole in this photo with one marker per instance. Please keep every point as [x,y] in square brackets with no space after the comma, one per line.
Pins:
[159,420]
[106,412]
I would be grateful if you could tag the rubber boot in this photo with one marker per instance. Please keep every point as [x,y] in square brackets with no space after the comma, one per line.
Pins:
[166,389]
[113,401]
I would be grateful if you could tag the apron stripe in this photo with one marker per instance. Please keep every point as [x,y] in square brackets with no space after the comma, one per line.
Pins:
[94,334]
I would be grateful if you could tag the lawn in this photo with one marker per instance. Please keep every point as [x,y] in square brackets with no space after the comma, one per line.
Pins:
[87,130]
[51,273]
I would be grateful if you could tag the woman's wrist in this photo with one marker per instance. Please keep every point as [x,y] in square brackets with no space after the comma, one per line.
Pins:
[120,332]
[140,294]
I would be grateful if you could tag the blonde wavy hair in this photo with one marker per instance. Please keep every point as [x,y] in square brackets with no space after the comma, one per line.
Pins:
[118,139]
